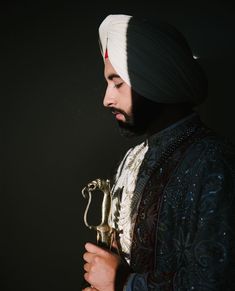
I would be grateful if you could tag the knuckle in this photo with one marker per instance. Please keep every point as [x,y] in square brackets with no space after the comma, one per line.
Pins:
[92,269]
[96,259]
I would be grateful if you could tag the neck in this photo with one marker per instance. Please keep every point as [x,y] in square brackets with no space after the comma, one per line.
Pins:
[169,114]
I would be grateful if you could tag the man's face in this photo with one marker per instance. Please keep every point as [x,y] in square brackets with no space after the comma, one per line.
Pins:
[118,95]
[118,98]
[133,112]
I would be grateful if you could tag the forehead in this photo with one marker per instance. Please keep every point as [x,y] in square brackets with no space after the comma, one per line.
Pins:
[108,68]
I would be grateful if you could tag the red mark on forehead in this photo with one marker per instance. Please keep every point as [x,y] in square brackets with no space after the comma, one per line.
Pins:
[106,54]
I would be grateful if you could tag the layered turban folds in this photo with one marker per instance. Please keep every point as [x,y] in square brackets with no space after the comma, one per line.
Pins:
[154,59]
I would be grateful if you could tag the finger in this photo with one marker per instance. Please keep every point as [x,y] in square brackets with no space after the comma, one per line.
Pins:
[87,278]
[87,267]
[91,248]
[88,257]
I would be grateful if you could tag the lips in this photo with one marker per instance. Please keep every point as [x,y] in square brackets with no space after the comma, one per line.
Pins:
[118,115]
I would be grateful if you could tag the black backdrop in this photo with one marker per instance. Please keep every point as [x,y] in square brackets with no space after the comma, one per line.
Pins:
[56,136]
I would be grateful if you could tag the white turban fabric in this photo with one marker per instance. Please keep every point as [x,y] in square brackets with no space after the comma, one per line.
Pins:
[154,59]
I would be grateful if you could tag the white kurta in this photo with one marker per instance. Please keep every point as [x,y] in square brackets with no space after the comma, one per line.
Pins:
[127,177]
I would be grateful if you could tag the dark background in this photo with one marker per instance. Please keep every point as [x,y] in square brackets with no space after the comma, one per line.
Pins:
[57,137]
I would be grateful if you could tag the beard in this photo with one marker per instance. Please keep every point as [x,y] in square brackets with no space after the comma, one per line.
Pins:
[144,112]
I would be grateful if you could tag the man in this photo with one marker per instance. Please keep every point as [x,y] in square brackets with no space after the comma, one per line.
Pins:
[173,194]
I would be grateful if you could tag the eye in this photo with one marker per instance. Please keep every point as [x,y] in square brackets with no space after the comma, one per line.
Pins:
[117,85]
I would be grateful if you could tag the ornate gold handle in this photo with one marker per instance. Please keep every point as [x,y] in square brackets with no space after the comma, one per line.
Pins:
[105,233]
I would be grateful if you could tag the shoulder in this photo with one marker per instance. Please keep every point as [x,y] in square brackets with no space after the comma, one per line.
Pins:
[212,152]
[207,168]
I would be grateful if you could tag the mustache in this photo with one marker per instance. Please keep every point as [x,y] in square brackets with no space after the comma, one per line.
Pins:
[117,110]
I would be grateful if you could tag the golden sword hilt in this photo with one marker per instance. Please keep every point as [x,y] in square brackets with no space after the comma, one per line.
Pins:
[105,232]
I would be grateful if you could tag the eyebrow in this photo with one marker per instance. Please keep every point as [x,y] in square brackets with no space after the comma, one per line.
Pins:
[112,76]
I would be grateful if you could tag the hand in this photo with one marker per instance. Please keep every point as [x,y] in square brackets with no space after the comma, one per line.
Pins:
[100,267]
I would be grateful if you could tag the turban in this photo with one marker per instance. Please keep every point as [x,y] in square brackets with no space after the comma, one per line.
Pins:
[153,58]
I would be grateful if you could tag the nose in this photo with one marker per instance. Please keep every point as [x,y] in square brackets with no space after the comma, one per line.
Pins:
[109,97]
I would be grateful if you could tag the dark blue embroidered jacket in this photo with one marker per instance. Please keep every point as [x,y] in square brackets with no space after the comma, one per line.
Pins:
[184,232]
